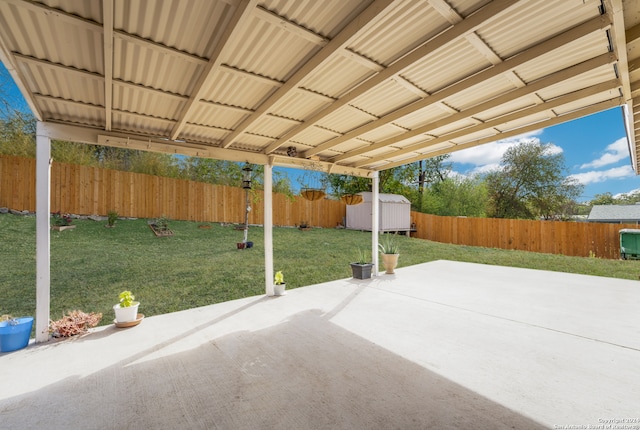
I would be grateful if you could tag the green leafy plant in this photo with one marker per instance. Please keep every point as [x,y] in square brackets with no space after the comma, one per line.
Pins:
[112,217]
[362,257]
[59,219]
[126,299]
[162,223]
[388,244]
[279,278]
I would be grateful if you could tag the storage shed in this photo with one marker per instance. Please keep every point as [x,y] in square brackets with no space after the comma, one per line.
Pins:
[394,211]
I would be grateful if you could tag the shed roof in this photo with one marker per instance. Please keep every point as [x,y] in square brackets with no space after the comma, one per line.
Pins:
[348,86]
[367,196]
[614,213]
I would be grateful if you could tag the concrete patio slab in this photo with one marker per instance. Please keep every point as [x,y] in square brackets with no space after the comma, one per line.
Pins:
[441,345]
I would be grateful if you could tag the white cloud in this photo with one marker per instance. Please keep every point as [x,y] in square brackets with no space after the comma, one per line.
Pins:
[604,175]
[619,195]
[487,157]
[614,152]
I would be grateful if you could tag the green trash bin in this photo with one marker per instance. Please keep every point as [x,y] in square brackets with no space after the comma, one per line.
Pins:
[630,244]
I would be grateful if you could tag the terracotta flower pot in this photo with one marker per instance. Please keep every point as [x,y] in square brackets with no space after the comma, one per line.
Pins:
[390,261]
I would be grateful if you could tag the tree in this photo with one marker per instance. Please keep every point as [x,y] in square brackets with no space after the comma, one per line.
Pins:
[456,196]
[603,199]
[530,183]
[17,134]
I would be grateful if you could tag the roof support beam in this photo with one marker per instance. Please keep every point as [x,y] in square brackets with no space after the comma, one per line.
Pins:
[532,88]
[595,108]
[107,24]
[335,45]
[290,27]
[551,104]
[614,9]
[483,16]
[227,41]
[595,24]
[43,234]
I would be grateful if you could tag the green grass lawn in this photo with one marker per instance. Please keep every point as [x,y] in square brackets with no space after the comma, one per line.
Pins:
[91,264]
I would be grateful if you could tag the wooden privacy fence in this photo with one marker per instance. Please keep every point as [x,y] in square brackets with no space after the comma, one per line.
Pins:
[554,237]
[90,190]
[94,191]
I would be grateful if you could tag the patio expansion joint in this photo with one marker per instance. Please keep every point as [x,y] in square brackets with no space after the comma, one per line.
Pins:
[504,318]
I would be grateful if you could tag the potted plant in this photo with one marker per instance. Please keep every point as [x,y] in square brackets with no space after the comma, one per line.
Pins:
[278,284]
[73,323]
[112,217]
[390,252]
[127,310]
[361,268]
[160,227]
[14,332]
[61,222]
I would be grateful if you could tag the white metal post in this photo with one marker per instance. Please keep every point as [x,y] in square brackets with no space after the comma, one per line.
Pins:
[43,234]
[375,221]
[268,229]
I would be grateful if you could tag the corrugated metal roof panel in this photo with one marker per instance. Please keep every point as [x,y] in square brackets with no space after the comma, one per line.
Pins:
[270,51]
[445,66]
[50,80]
[130,122]
[326,18]
[271,126]
[76,113]
[477,94]
[408,24]
[421,117]
[199,133]
[534,20]
[345,119]
[585,80]
[142,100]
[573,53]
[382,133]
[217,116]
[600,97]
[508,107]
[336,76]
[31,31]
[91,10]
[454,126]
[236,89]
[300,104]
[314,136]
[166,25]
[386,98]
[165,45]
[147,65]
[349,145]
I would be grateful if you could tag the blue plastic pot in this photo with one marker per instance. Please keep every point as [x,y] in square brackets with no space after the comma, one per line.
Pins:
[15,334]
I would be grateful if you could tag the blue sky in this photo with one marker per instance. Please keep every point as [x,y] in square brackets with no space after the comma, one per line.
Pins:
[595,149]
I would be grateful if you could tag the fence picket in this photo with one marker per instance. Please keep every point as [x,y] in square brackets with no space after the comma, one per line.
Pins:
[90,190]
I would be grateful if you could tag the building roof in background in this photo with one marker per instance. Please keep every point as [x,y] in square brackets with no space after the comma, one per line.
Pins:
[612,213]
[367,196]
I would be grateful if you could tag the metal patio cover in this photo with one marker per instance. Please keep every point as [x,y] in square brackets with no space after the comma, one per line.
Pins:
[348,85]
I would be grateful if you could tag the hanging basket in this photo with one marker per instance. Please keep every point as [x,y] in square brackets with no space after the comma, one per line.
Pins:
[352,199]
[312,194]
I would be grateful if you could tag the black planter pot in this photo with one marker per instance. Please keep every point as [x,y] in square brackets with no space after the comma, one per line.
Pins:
[361,271]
